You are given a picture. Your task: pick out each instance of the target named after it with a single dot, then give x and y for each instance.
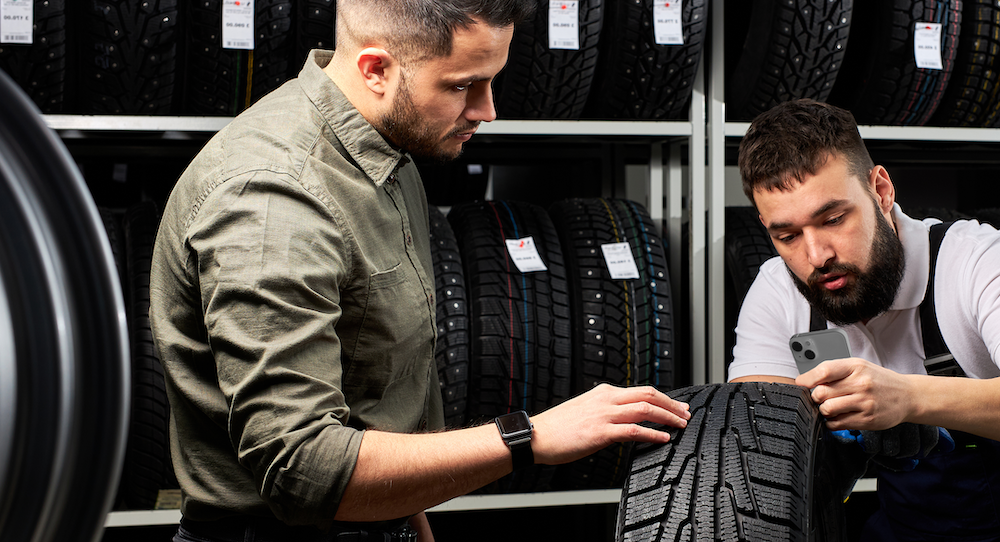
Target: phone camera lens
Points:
(797, 346)
(810, 354)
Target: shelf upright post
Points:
(697, 254)
(716, 180)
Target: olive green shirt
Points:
(292, 304)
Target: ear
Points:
(882, 188)
(377, 67)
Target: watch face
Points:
(514, 422)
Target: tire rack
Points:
(698, 190)
(667, 183)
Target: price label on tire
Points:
(525, 255)
(16, 21)
(667, 27)
(237, 24)
(927, 45)
(620, 262)
(564, 25)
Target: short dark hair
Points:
(415, 30)
(796, 138)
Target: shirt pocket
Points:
(394, 332)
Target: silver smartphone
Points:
(814, 347)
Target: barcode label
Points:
(564, 24)
(237, 24)
(16, 21)
(668, 28)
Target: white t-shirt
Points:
(967, 301)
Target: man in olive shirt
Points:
(292, 293)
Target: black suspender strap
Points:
(816, 320)
(937, 358)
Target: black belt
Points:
(262, 529)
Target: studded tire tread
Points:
(746, 468)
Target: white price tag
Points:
(667, 27)
(620, 262)
(16, 21)
(927, 45)
(564, 25)
(237, 24)
(525, 255)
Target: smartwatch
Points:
(515, 429)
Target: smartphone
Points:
(814, 347)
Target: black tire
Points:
(747, 247)
(453, 333)
(63, 343)
(314, 22)
(543, 83)
(778, 51)
(520, 322)
(128, 57)
(638, 79)
(226, 81)
(748, 467)
(622, 329)
(972, 92)
(880, 82)
(40, 68)
(147, 467)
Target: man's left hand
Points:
(853, 393)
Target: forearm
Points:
(964, 404)
(398, 475)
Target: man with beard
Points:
(292, 296)
(849, 253)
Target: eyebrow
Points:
(829, 206)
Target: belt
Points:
(262, 529)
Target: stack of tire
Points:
(165, 57)
(535, 338)
(861, 56)
(618, 69)
(147, 468)
(160, 57)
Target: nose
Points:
(480, 107)
(819, 251)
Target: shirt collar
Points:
(365, 145)
(916, 252)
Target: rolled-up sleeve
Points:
(271, 258)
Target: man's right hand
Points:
(600, 417)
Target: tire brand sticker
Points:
(620, 262)
(237, 24)
(667, 27)
(16, 21)
(525, 255)
(927, 45)
(564, 25)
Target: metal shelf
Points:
(467, 503)
(903, 133)
(150, 124)
(142, 518)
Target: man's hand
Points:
(602, 416)
(856, 394)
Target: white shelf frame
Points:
(468, 503)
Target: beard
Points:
(405, 128)
(867, 293)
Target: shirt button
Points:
(391, 179)
(409, 239)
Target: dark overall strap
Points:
(937, 358)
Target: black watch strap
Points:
(516, 429)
